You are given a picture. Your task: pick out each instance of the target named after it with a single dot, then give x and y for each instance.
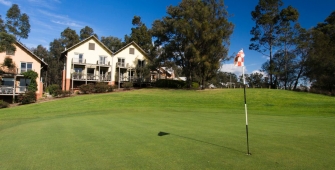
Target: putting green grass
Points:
(203, 130)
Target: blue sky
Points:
(48, 18)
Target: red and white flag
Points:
(239, 59)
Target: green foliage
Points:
(32, 75)
(140, 34)
(100, 88)
(53, 89)
(6, 42)
(195, 38)
(321, 59)
(3, 104)
(112, 43)
(87, 88)
(195, 85)
(27, 98)
(95, 88)
(69, 38)
(166, 83)
(86, 32)
(55, 64)
(127, 85)
(8, 62)
(17, 23)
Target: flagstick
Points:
(246, 113)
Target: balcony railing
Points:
(91, 77)
(79, 60)
(10, 89)
(120, 64)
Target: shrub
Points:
(110, 88)
(28, 97)
(87, 88)
(195, 85)
(101, 87)
(3, 104)
(127, 85)
(52, 89)
(32, 75)
(66, 93)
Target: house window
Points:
(140, 63)
(103, 60)
(24, 83)
(10, 52)
(26, 67)
(131, 51)
(91, 46)
(78, 58)
(121, 62)
(7, 81)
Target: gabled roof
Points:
(87, 39)
(31, 53)
(135, 45)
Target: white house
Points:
(90, 61)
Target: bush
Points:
(52, 89)
(166, 83)
(127, 85)
(65, 93)
(28, 97)
(87, 88)
(110, 88)
(3, 104)
(195, 85)
(101, 87)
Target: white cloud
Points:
(4, 2)
(70, 24)
(63, 17)
(230, 68)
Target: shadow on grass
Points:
(166, 133)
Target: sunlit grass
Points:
(119, 130)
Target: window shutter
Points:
(91, 46)
(131, 51)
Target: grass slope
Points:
(287, 130)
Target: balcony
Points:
(91, 77)
(79, 61)
(9, 90)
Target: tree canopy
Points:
(196, 35)
(17, 23)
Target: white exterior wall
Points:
(130, 59)
(91, 56)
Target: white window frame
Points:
(121, 63)
(103, 60)
(26, 67)
(78, 57)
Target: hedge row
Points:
(95, 88)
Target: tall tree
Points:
(112, 43)
(43, 53)
(303, 45)
(87, 32)
(321, 59)
(196, 35)
(140, 34)
(17, 23)
(287, 33)
(69, 37)
(6, 40)
(55, 63)
(267, 17)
